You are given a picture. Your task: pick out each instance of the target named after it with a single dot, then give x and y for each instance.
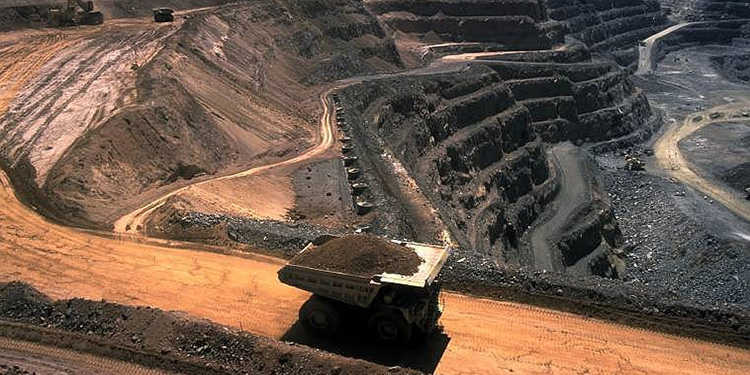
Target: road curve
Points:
(670, 158)
(133, 221)
(646, 60)
(573, 193)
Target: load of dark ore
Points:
(361, 255)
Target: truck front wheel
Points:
(320, 316)
(390, 328)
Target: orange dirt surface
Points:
(22, 54)
(131, 222)
(486, 336)
(265, 196)
(44, 360)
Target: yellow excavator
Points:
(76, 12)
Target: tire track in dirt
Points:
(89, 81)
(45, 360)
(23, 59)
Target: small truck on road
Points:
(392, 306)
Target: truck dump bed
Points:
(357, 289)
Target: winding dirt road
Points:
(670, 158)
(133, 221)
(573, 193)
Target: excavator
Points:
(70, 15)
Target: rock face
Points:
(706, 10)
(610, 27)
(507, 24)
(475, 142)
(588, 101)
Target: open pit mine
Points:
(374, 187)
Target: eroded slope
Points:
(233, 87)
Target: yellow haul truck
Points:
(393, 306)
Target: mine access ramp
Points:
(388, 287)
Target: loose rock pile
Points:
(362, 255)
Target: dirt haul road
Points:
(133, 221)
(485, 336)
(670, 158)
(43, 360)
(573, 193)
(646, 57)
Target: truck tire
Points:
(320, 316)
(389, 328)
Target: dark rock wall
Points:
(476, 144)
(469, 145)
(508, 24)
(593, 101)
(707, 10)
(612, 27)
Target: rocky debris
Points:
(283, 239)
(178, 342)
(634, 163)
(13, 370)
(363, 255)
(625, 303)
(737, 177)
(672, 252)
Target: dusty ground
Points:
(707, 258)
(28, 358)
(719, 151)
(158, 339)
(265, 196)
(83, 85)
(172, 104)
(65, 262)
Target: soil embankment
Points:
(127, 151)
(244, 292)
(152, 338)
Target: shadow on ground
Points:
(423, 354)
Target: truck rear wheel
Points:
(389, 328)
(320, 316)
